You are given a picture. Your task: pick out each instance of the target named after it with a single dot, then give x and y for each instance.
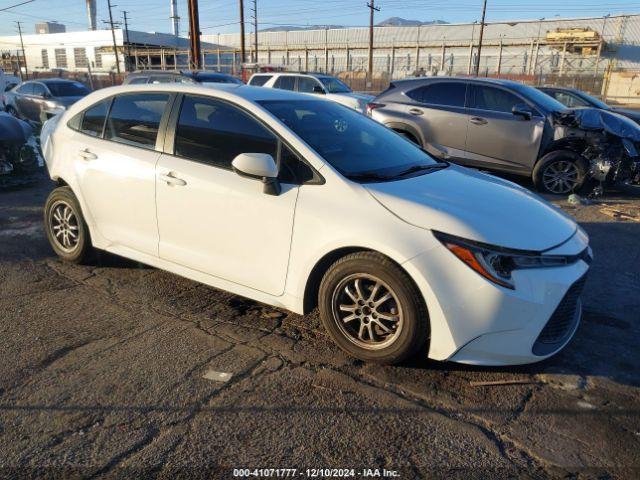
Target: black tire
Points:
(543, 171)
(411, 329)
(78, 249)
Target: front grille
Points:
(562, 322)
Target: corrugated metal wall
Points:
(396, 48)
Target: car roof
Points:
(291, 74)
(228, 91)
(488, 81)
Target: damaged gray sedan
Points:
(506, 126)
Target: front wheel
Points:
(560, 172)
(65, 226)
(372, 309)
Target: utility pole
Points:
(24, 56)
(113, 35)
(372, 8)
(484, 11)
(242, 52)
(194, 35)
(255, 30)
(127, 59)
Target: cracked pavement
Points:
(101, 376)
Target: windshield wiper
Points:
(367, 176)
(422, 168)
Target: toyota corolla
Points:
(301, 203)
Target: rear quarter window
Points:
(450, 94)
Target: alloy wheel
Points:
(64, 226)
(560, 177)
(367, 311)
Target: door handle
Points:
(415, 111)
(478, 121)
(87, 154)
(171, 179)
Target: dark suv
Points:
(484, 123)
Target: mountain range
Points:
(389, 22)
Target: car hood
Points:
(351, 98)
(476, 206)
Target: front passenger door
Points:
(498, 139)
(211, 219)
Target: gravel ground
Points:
(113, 370)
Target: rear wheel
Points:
(560, 172)
(65, 226)
(372, 309)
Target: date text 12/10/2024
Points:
(316, 473)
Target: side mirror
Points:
(318, 89)
(258, 166)
(522, 110)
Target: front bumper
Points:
(476, 322)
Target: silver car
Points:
(485, 123)
(39, 100)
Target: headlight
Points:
(496, 263)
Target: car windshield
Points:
(540, 98)
(67, 89)
(333, 85)
(358, 147)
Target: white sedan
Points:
(298, 202)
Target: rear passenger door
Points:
(498, 139)
(438, 110)
(285, 82)
(116, 162)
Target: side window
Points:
(93, 119)
(292, 169)
(135, 118)
(570, 100)
(139, 80)
(442, 93)
(163, 79)
(38, 90)
(286, 82)
(306, 84)
(494, 99)
(259, 80)
(26, 89)
(214, 132)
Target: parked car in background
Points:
(39, 100)
(202, 77)
(399, 251)
(574, 98)
(7, 82)
(313, 83)
(490, 124)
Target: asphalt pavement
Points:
(118, 370)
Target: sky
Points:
(221, 16)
